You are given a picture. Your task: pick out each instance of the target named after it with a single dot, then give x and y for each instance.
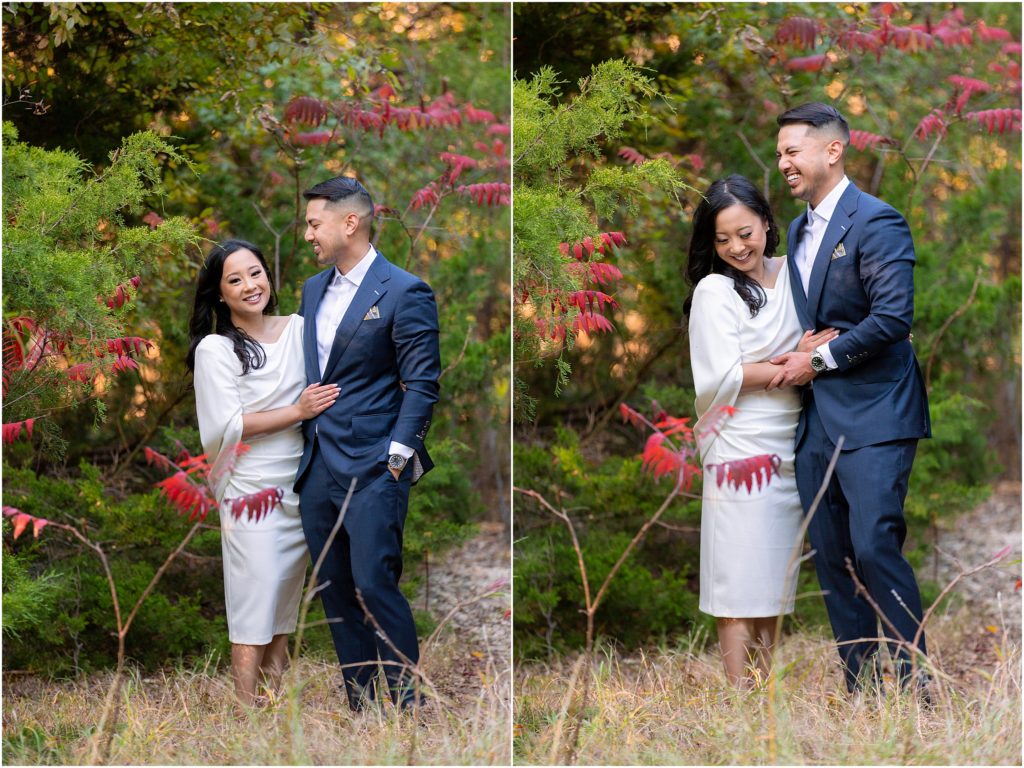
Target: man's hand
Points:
(796, 370)
(395, 472)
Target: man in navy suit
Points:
(851, 266)
(371, 328)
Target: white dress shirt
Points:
(333, 306)
(807, 249)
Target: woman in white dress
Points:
(250, 385)
(741, 314)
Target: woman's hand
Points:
(317, 398)
(811, 341)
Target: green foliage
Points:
(654, 592)
(183, 616)
(67, 247)
(565, 189)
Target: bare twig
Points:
(765, 170)
(462, 354)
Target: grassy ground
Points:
(672, 707)
(184, 717)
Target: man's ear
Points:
(351, 223)
(835, 151)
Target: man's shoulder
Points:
(873, 206)
(401, 277)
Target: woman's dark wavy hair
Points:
(704, 260)
(211, 315)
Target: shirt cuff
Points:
(830, 362)
(402, 450)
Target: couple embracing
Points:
(338, 395)
(812, 349)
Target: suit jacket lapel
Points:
(370, 292)
(837, 228)
(796, 284)
(315, 294)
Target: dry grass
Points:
(184, 717)
(673, 707)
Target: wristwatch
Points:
(818, 362)
(397, 461)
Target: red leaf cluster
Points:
(124, 363)
(125, 345)
(746, 471)
(499, 129)
(798, 30)
(121, 294)
(305, 110)
(630, 155)
(807, 63)
(456, 165)
(428, 195)
(491, 193)
(311, 138)
(20, 521)
(997, 120)
(602, 273)
(474, 115)
(932, 123)
(993, 34)
(715, 419)
(586, 247)
(863, 140)
(258, 504)
(585, 300)
(153, 219)
(187, 497)
(590, 322)
(12, 431)
(854, 39)
(81, 372)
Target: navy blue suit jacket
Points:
(862, 284)
(374, 352)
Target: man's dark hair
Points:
(817, 115)
(340, 188)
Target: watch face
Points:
(818, 363)
(396, 461)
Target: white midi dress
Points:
(265, 560)
(747, 538)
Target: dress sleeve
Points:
(715, 354)
(218, 409)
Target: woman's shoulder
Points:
(714, 285)
(215, 349)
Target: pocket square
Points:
(373, 314)
(839, 252)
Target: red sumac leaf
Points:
(474, 115)
(997, 120)
(12, 432)
(631, 416)
(186, 497)
(631, 155)
(590, 322)
(428, 195)
(1012, 49)
(491, 193)
(863, 140)
(993, 34)
(126, 345)
(853, 39)
(603, 273)
(799, 30)
(305, 109)
(714, 420)
(746, 471)
(311, 138)
(807, 63)
(258, 504)
(152, 219)
(499, 129)
(20, 521)
(932, 123)
(124, 363)
(81, 372)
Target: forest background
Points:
(234, 109)
(656, 100)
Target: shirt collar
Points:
(358, 272)
(827, 206)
